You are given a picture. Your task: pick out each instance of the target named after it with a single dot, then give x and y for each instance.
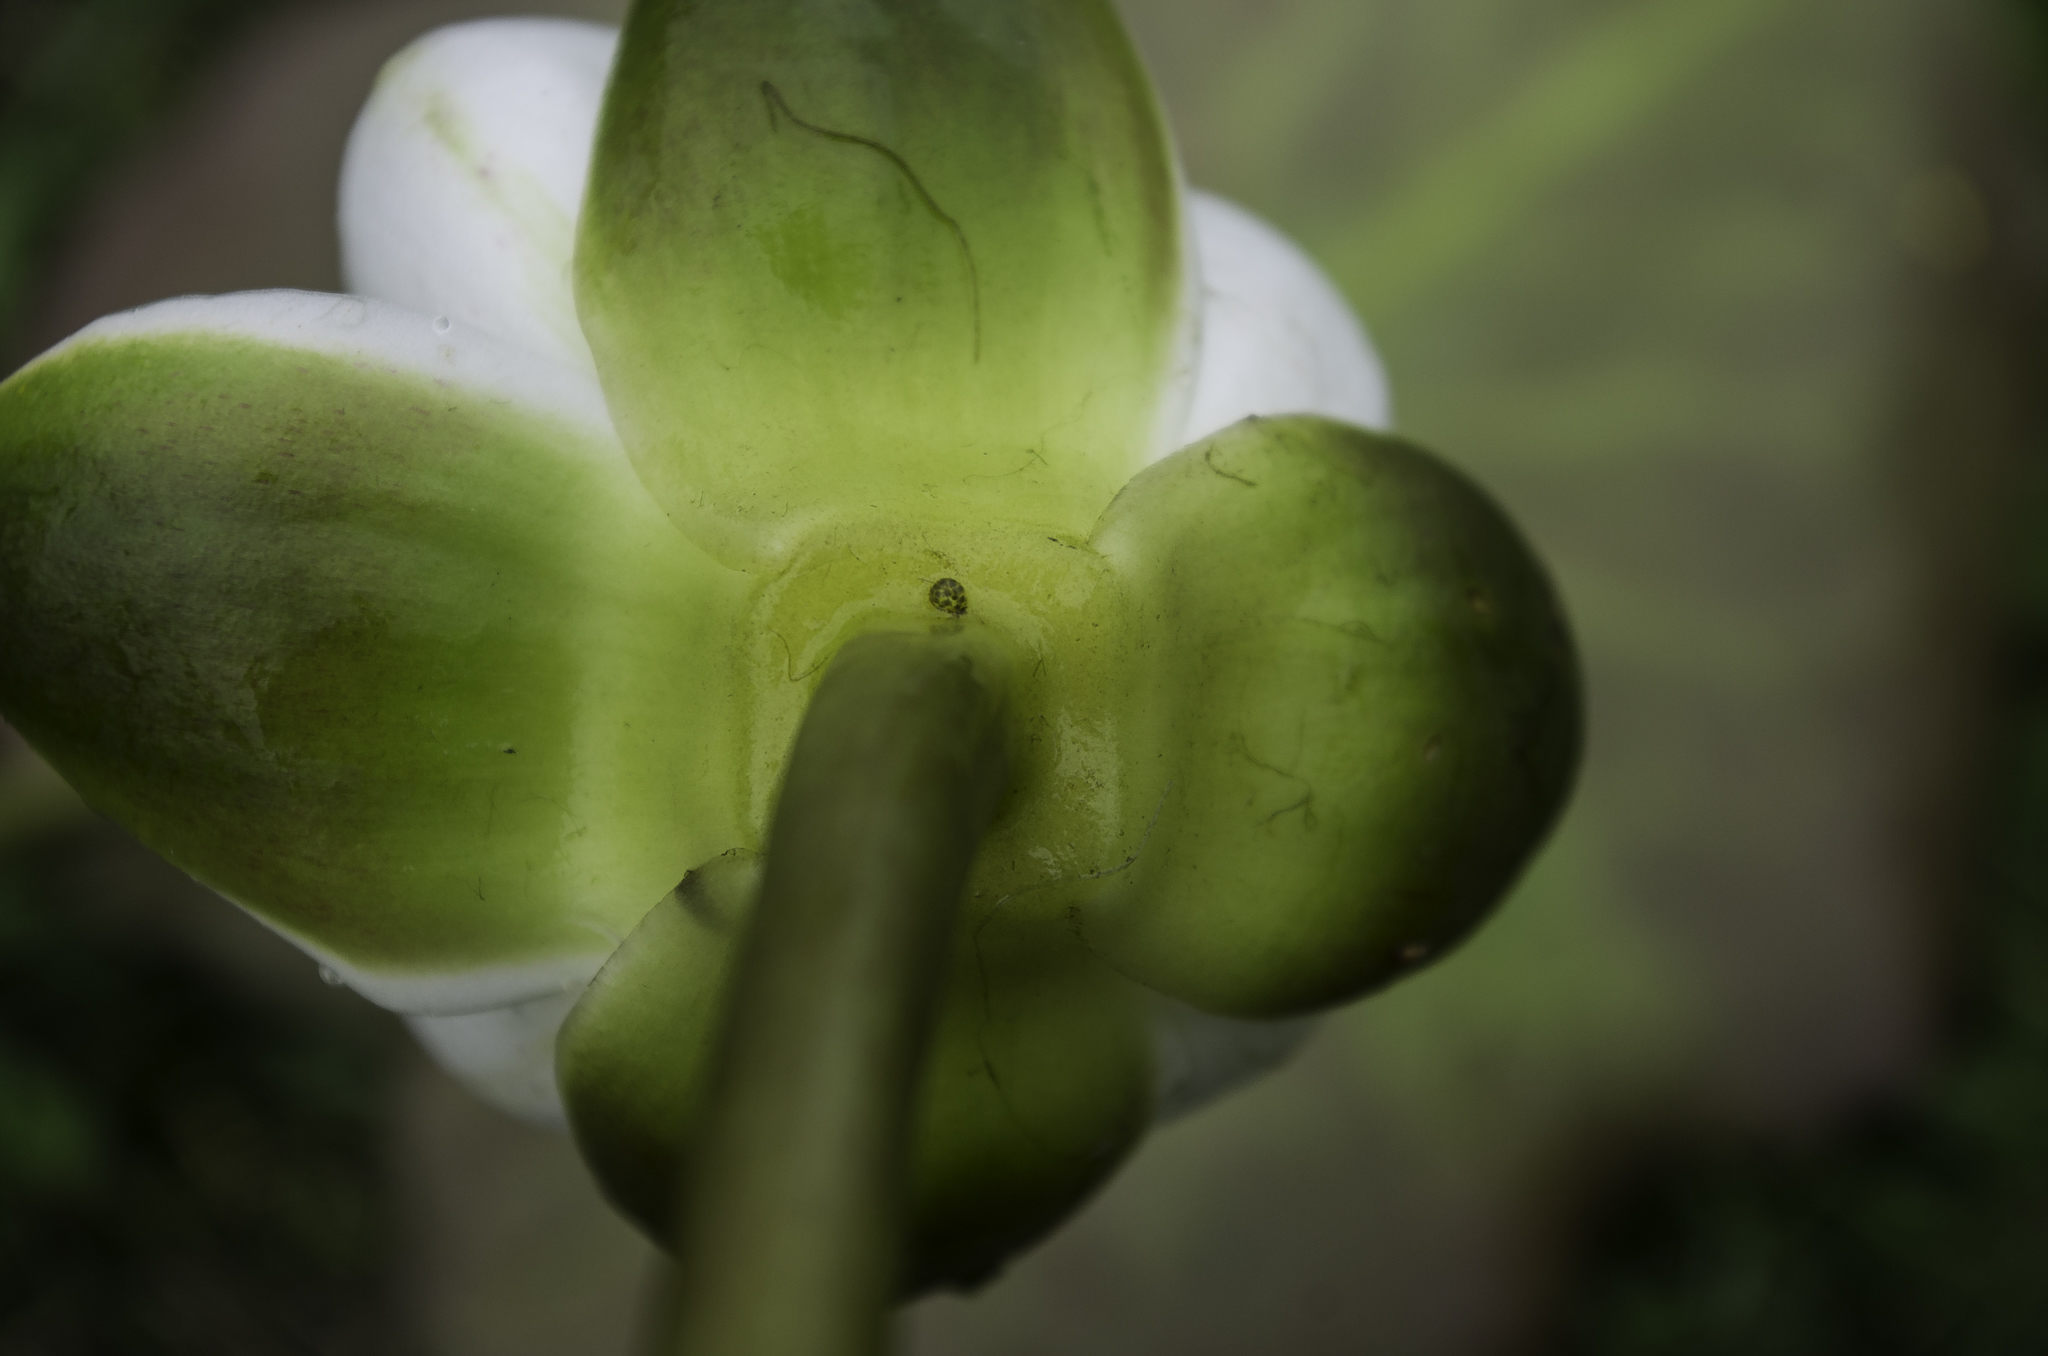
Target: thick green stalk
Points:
(792, 1218)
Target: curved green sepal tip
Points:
(1037, 1081)
(924, 255)
(412, 672)
(1362, 714)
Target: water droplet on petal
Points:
(442, 324)
(329, 975)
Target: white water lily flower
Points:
(459, 627)
(458, 200)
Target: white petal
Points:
(505, 1056)
(1277, 335)
(1199, 1056)
(464, 177)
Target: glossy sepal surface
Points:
(1038, 1080)
(1361, 714)
(916, 256)
(366, 623)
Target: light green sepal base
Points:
(417, 674)
(1281, 730)
(1037, 1081)
(916, 256)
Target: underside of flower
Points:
(460, 628)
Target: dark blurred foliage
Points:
(79, 79)
(183, 1167)
(1925, 1230)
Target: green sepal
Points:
(409, 667)
(1037, 1081)
(1357, 704)
(918, 255)
(632, 1057)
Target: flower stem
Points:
(792, 1216)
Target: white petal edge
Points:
(1198, 1056)
(505, 1056)
(1277, 336)
(465, 172)
(384, 337)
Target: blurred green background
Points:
(1736, 303)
